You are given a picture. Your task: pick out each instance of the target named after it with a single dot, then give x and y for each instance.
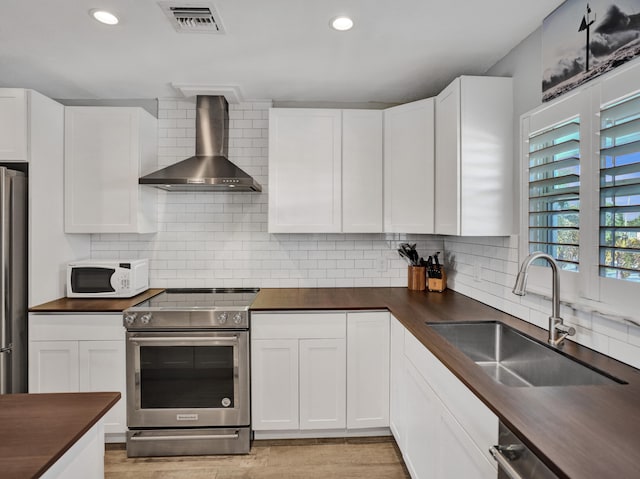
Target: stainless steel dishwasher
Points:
(515, 460)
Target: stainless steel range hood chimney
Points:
(209, 170)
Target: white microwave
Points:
(107, 278)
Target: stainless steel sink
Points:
(514, 359)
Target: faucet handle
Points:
(558, 332)
(567, 330)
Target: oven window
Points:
(186, 377)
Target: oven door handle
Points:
(185, 438)
(166, 339)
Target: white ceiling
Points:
(398, 51)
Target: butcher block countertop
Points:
(578, 431)
(37, 429)
(94, 305)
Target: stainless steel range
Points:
(188, 373)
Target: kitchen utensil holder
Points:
(438, 284)
(417, 278)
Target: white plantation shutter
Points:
(620, 191)
(554, 193)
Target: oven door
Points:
(187, 379)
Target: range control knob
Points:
(145, 318)
(222, 318)
(129, 318)
(237, 318)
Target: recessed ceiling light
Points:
(105, 17)
(342, 24)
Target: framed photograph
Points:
(584, 39)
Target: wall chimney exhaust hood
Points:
(209, 169)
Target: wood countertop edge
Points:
(94, 305)
(414, 309)
(115, 398)
(44, 460)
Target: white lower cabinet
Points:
(441, 427)
(84, 459)
(322, 384)
(319, 373)
(420, 442)
(80, 353)
(397, 411)
(367, 369)
(274, 384)
(54, 367)
(458, 455)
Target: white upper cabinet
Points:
(106, 150)
(325, 171)
(409, 167)
(304, 170)
(14, 128)
(474, 157)
(361, 171)
(32, 131)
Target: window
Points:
(581, 193)
(554, 193)
(620, 191)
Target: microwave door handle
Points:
(165, 339)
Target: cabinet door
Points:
(457, 455)
(486, 156)
(409, 167)
(304, 170)
(421, 448)
(397, 409)
(367, 370)
(447, 174)
(102, 368)
(361, 171)
(322, 384)
(274, 384)
(103, 151)
(13, 125)
(474, 157)
(53, 367)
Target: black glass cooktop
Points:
(200, 298)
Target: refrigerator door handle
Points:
(5, 228)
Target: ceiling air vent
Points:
(194, 17)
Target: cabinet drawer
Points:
(477, 419)
(294, 325)
(76, 327)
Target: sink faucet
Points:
(558, 331)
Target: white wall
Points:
(485, 268)
(220, 239)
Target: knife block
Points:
(438, 284)
(417, 276)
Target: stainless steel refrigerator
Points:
(13, 281)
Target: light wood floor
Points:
(370, 458)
